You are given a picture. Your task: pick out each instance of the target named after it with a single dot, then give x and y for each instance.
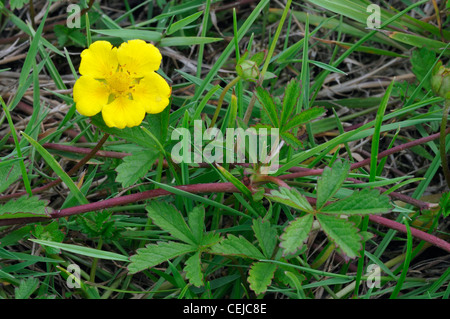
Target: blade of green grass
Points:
(85, 251)
(57, 169)
(26, 181)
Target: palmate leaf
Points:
(366, 201)
(296, 233)
(330, 182)
(260, 276)
(155, 254)
(343, 233)
(135, 166)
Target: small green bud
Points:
(248, 70)
(440, 81)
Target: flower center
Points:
(120, 82)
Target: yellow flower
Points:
(121, 83)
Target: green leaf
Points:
(366, 201)
(183, 22)
(193, 269)
(134, 134)
(236, 246)
(260, 276)
(9, 173)
(330, 182)
(327, 67)
(25, 207)
(49, 232)
(291, 197)
(422, 60)
(303, 118)
(64, 34)
(236, 182)
(196, 220)
(343, 233)
(268, 104)
(130, 34)
(291, 140)
(188, 41)
(266, 235)
(296, 233)
(85, 251)
(153, 255)
(57, 169)
(291, 95)
(419, 41)
(135, 166)
(17, 4)
(168, 218)
(26, 288)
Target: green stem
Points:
(442, 142)
(95, 262)
(221, 98)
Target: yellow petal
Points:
(99, 61)
(89, 95)
(123, 112)
(139, 57)
(152, 93)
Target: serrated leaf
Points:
(196, 220)
(366, 201)
(135, 166)
(49, 232)
(303, 118)
(343, 233)
(330, 182)
(266, 235)
(296, 233)
(291, 96)
(237, 246)
(155, 254)
(193, 268)
(268, 105)
(25, 207)
(210, 239)
(168, 218)
(291, 140)
(290, 197)
(260, 276)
